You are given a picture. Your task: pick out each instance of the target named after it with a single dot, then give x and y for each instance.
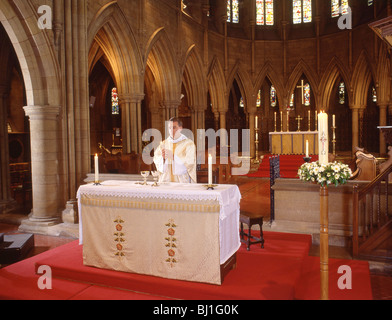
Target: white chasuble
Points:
(182, 168)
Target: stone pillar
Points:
(136, 122)
(125, 105)
(5, 184)
(252, 123)
(383, 123)
(355, 128)
(45, 171)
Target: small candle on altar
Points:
(307, 148)
(275, 116)
(323, 138)
(96, 165)
(333, 121)
(257, 122)
(210, 170)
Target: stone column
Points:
(252, 122)
(125, 105)
(45, 171)
(355, 128)
(136, 122)
(5, 190)
(383, 123)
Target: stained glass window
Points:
(370, 3)
(242, 105)
(374, 94)
(307, 10)
(307, 94)
(258, 102)
(337, 5)
(342, 93)
(302, 11)
(233, 11)
(291, 106)
(297, 11)
(273, 97)
(260, 13)
(115, 105)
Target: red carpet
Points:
(289, 165)
(281, 271)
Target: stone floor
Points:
(255, 196)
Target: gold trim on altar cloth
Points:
(151, 205)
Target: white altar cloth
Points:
(211, 216)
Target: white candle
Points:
(333, 121)
(323, 138)
(209, 170)
(257, 122)
(96, 169)
(307, 148)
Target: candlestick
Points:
(323, 138)
(96, 166)
(307, 148)
(275, 121)
(281, 121)
(288, 121)
(316, 119)
(309, 119)
(209, 170)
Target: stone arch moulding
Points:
(243, 83)
(160, 50)
(217, 87)
(335, 70)
(31, 46)
(303, 68)
(361, 80)
(194, 79)
(267, 73)
(107, 27)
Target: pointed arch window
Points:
(265, 12)
(307, 95)
(242, 104)
(374, 94)
(342, 93)
(302, 11)
(337, 5)
(273, 98)
(233, 11)
(258, 102)
(115, 105)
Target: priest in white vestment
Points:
(175, 158)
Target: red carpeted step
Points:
(289, 165)
(308, 286)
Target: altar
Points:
(175, 231)
(289, 143)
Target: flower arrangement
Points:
(334, 173)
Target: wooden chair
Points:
(251, 219)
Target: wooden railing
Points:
(370, 209)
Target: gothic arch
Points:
(335, 70)
(361, 80)
(217, 87)
(35, 54)
(194, 80)
(111, 31)
(303, 68)
(383, 81)
(161, 58)
(267, 72)
(243, 83)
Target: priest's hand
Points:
(167, 154)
